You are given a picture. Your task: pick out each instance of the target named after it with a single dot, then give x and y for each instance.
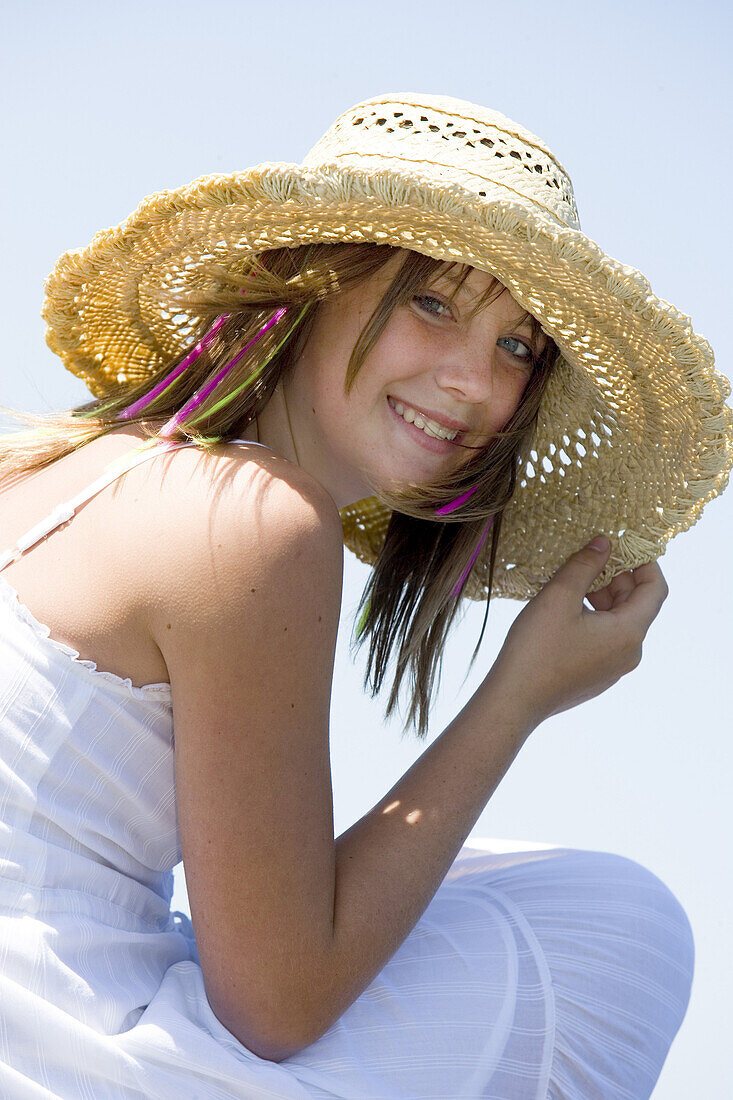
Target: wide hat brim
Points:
(633, 436)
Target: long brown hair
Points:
(408, 605)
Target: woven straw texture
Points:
(633, 437)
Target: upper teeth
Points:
(421, 421)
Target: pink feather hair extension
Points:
(451, 506)
(200, 396)
(472, 560)
(138, 406)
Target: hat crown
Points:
(451, 143)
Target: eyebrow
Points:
(524, 317)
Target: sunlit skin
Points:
(467, 371)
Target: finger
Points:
(643, 604)
(580, 570)
(601, 600)
(612, 594)
(621, 587)
(650, 571)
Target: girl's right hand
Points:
(558, 652)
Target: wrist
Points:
(510, 699)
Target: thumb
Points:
(580, 570)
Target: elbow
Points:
(273, 1044)
(293, 1043)
(274, 1052)
(276, 1048)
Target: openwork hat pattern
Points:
(634, 436)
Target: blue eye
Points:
(424, 302)
(529, 357)
(436, 307)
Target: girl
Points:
(406, 344)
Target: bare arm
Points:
(557, 655)
(246, 619)
(390, 863)
(292, 925)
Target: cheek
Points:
(326, 384)
(371, 382)
(507, 399)
(403, 351)
(518, 386)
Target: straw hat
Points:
(633, 436)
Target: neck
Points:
(272, 427)
(281, 428)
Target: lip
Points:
(439, 418)
(427, 442)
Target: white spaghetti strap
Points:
(115, 469)
(63, 512)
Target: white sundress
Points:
(550, 972)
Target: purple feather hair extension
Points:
(453, 504)
(138, 406)
(200, 396)
(464, 575)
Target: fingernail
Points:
(600, 543)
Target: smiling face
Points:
(440, 379)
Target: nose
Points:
(466, 372)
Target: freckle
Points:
(285, 629)
(319, 618)
(292, 706)
(168, 626)
(253, 589)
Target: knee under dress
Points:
(553, 972)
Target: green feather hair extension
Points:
(255, 375)
(361, 624)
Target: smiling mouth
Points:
(420, 420)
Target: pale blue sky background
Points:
(106, 103)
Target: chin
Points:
(403, 482)
(404, 472)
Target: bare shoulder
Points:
(231, 523)
(248, 629)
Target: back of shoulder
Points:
(247, 628)
(233, 524)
